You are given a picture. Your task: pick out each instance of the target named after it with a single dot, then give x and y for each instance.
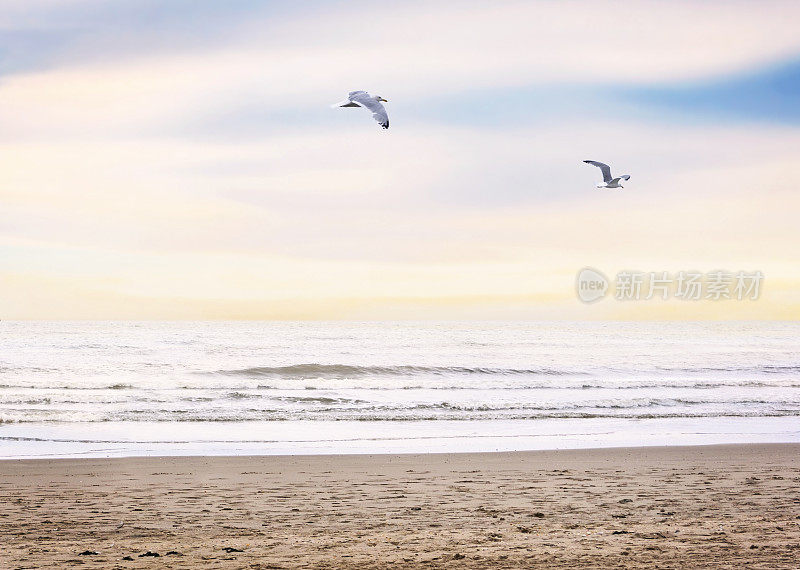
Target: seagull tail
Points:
(345, 103)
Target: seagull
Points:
(608, 181)
(364, 99)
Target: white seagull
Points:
(608, 180)
(364, 99)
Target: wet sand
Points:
(665, 507)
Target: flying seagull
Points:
(364, 99)
(608, 180)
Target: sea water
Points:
(183, 388)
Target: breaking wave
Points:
(311, 371)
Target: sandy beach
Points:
(670, 507)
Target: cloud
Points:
(448, 196)
(168, 70)
(518, 43)
(45, 34)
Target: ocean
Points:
(76, 389)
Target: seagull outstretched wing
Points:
(363, 99)
(349, 101)
(606, 169)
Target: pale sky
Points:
(180, 160)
